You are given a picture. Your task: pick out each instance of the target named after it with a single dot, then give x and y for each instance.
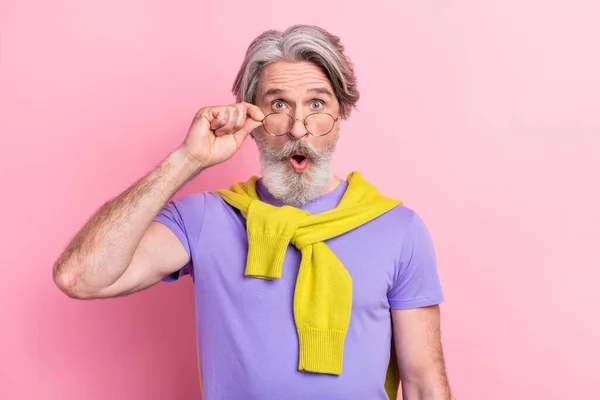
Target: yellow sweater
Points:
(323, 294)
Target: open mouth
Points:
(298, 158)
(299, 162)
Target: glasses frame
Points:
(293, 121)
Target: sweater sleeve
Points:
(417, 282)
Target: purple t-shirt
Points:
(247, 339)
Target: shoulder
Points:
(404, 230)
(214, 203)
(402, 215)
(183, 213)
(197, 204)
(190, 200)
(210, 205)
(412, 229)
(186, 206)
(191, 213)
(402, 220)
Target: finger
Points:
(219, 121)
(229, 126)
(241, 117)
(249, 126)
(254, 112)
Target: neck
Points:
(335, 181)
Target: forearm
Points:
(433, 388)
(101, 251)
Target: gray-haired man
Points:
(307, 285)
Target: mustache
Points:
(289, 148)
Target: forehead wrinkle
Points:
(279, 91)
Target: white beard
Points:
(291, 187)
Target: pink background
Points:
(481, 115)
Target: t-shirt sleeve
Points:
(184, 218)
(417, 282)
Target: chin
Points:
(296, 188)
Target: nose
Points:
(298, 130)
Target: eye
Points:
(317, 104)
(278, 105)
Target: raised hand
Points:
(218, 132)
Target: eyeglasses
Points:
(317, 124)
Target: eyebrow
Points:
(322, 90)
(273, 92)
(276, 91)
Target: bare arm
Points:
(419, 352)
(121, 250)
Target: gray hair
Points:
(299, 43)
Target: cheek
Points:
(268, 140)
(325, 141)
(276, 142)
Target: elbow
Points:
(64, 280)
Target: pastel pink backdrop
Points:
(482, 116)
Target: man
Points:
(307, 285)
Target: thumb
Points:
(249, 126)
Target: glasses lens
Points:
(319, 124)
(278, 124)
